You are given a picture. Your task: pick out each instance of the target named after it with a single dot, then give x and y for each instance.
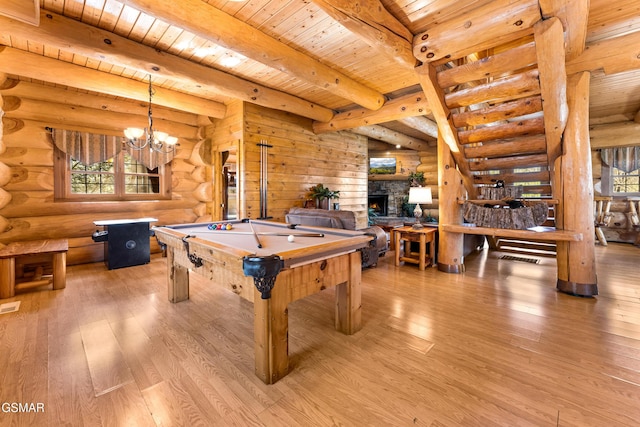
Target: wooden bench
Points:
(25, 265)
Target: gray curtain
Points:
(87, 147)
(627, 159)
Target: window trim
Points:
(62, 182)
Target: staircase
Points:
(507, 110)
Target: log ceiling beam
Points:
(38, 67)
(373, 23)
(614, 55)
(421, 124)
(411, 105)
(68, 34)
(208, 22)
(623, 134)
(487, 26)
(391, 137)
(549, 38)
(428, 80)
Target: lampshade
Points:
(420, 195)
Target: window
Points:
(118, 178)
(623, 182)
(620, 172)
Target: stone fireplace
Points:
(393, 192)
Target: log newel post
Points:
(450, 189)
(576, 259)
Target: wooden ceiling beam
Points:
(411, 105)
(208, 22)
(623, 134)
(373, 23)
(614, 55)
(31, 65)
(421, 124)
(490, 25)
(391, 137)
(70, 35)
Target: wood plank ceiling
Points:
(300, 56)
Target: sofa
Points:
(345, 220)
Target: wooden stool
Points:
(23, 265)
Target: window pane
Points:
(96, 178)
(138, 179)
(625, 182)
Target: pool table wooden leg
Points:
(271, 331)
(348, 298)
(177, 279)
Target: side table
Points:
(422, 236)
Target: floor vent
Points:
(517, 258)
(9, 307)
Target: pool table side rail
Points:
(166, 235)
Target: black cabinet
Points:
(126, 242)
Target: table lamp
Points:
(419, 195)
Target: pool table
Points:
(256, 260)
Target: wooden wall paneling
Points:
(336, 159)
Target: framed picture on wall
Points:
(382, 165)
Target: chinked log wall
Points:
(27, 207)
(299, 159)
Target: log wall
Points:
(28, 210)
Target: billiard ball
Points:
(291, 238)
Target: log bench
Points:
(31, 264)
(538, 233)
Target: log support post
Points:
(576, 259)
(450, 190)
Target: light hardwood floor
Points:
(494, 346)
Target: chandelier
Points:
(157, 141)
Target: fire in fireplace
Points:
(379, 204)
